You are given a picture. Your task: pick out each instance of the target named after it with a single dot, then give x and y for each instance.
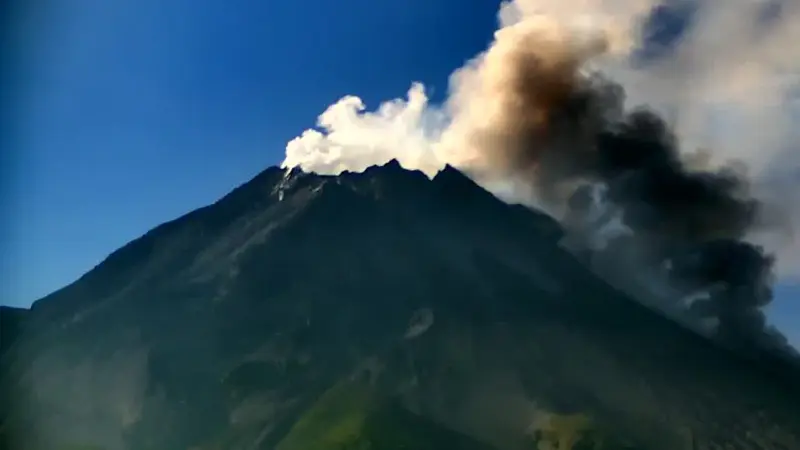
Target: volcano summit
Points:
(379, 310)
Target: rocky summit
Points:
(380, 310)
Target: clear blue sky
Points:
(123, 114)
(128, 113)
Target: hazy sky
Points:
(120, 115)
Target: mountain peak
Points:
(224, 328)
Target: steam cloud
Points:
(566, 110)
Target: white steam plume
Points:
(727, 86)
(353, 140)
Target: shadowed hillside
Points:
(379, 310)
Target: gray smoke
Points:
(565, 111)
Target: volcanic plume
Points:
(560, 114)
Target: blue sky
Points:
(124, 114)
(128, 113)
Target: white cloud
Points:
(352, 139)
(729, 86)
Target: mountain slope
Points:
(353, 415)
(12, 321)
(228, 324)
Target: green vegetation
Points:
(334, 421)
(82, 447)
(353, 416)
(572, 432)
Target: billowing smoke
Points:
(566, 111)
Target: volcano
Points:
(379, 310)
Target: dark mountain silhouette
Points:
(12, 320)
(380, 310)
